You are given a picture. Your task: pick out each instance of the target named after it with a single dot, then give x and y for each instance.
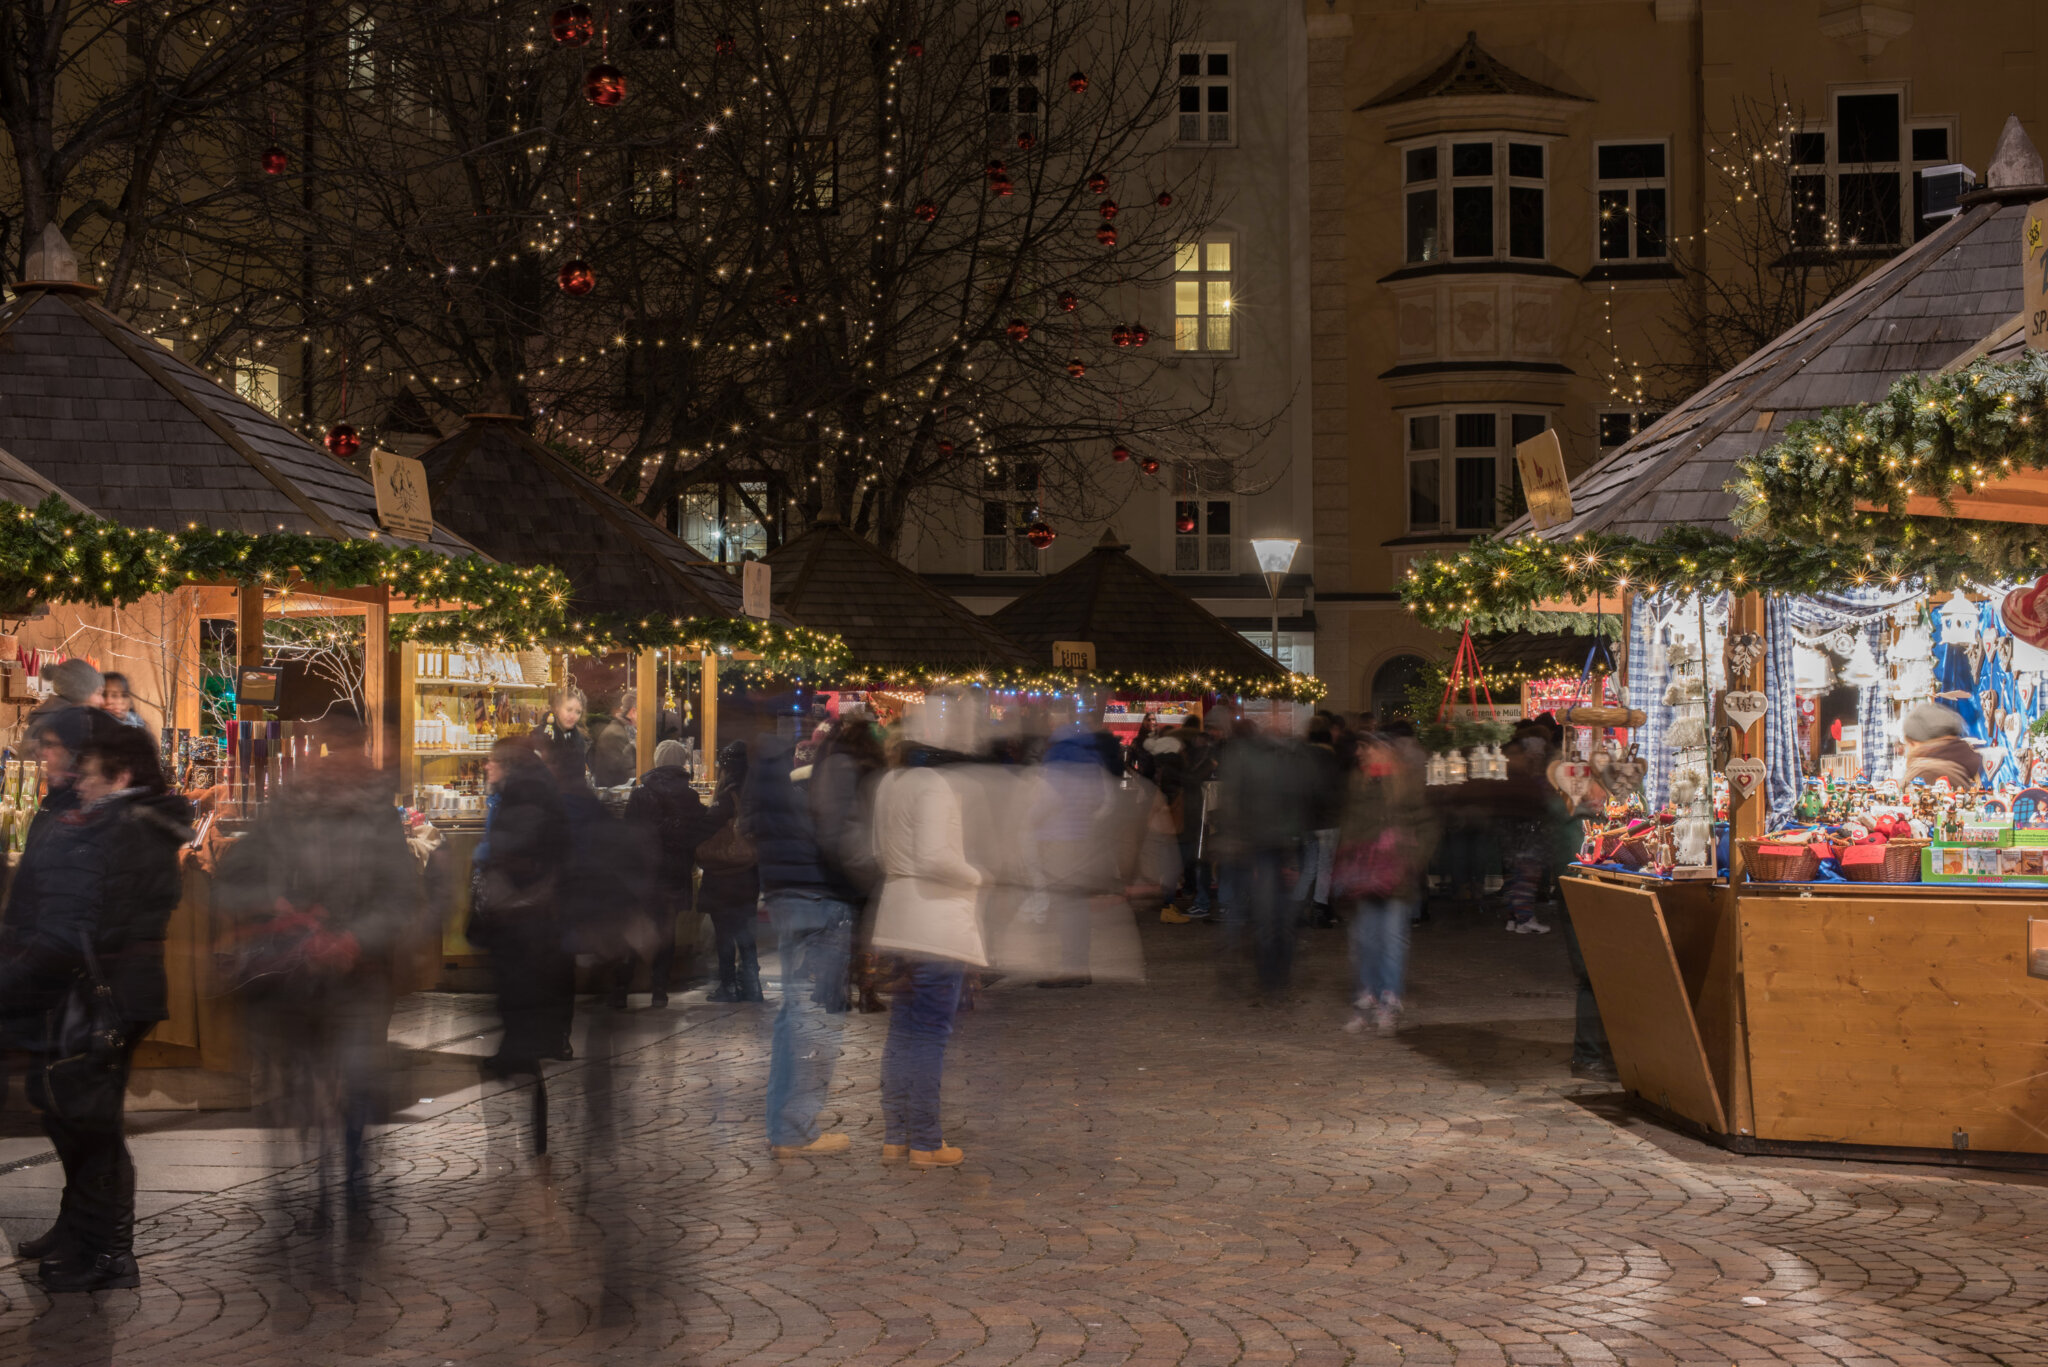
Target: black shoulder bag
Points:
(81, 1076)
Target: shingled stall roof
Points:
(832, 580)
(1137, 621)
(124, 428)
(1934, 302)
(518, 501)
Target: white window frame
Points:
(1203, 279)
(1411, 455)
(1003, 126)
(1831, 169)
(259, 384)
(1447, 453)
(1631, 186)
(1188, 488)
(1204, 117)
(1446, 184)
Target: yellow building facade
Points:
(1566, 214)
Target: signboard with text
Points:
(1073, 654)
(2034, 276)
(1540, 460)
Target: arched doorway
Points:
(1391, 683)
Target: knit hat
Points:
(74, 680)
(671, 754)
(1931, 721)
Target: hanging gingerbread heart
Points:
(2025, 612)
(1744, 650)
(1974, 653)
(1745, 776)
(1572, 778)
(1745, 707)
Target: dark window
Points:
(1027, 99)
(1191, 64)
(1614, 225)
(1422, 242)
(1219, 99)
(1217, 521)
(995, 519)
(1870, 207)
(652, 174)
(1478, 483)
(1809, 211)
(1646, 421)
(1472, 220)
(999, 67)
(1525, 160)
(1868, 128)
(1930, 144)
(999, 99)
(1425, 494)
(1191, 99)
(1525, 221)
(1424, 433)
(1421, 164)
(1650, 238)
(1616, 428)
(651, 23)
(1810, 149)
(1471, 158)
(1474, 430)
(1027, 477)
(1219, 64)
(1523, 426)
(1632, 161)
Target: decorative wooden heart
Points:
(2005, 648)
(1573, 778)
(1745, 708)
(1974, 653)
(1744, 649)
(1744, 776)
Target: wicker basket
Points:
(533, 666)
(1779, 868)
(1901, 864)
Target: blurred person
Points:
(86, 918)
(1197, 778)
(929, 913)
(730, 893)
(73, 684)
(1070, 827)
(813, 904)
(1385, 844)
(117, 700)
(325, 897)
(516, 914)
(614, 743)
(1327, 778)
(843, 783)
(1527, 834)
(561, 739)
(1264, 803)
(675, 820)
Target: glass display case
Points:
(456, 705)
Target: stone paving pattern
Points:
(1156, 1174)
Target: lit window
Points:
(1202, 297)
(362, 61)
(1206, 73)
(1482, 194)
(258, 384)
(1632, 193)
(726, 522)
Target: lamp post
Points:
(1275, 555)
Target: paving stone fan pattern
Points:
(1156, 1174)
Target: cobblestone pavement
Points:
(1156, 1174)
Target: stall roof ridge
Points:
(1919, 311)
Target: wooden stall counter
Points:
(1895, 1020)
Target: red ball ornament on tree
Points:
(1012, 19)
(275, 161)
(1018, 330)
(1068, 303)
(1076, 367)
(995, 170)
(926, 211)
(1107, 208)
(1120, 335)
(1138, 334)
(1149, 464)
(789, 297)
(1003, 188)
(1040, 535)
(1184, 520)
(1098, 183)
(1119, 453)
(1106, 235)
(945, 447)
(576, 278)
(914, 48)
(572, 25)
(1077, 82)
(1165, 200)
(342, 440)
(725, 45)
(604, 85)
(1026, 141)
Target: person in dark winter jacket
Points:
(516, 916)
(1327, 783)
(1264, 814)
(730, 892)
(813, 904)
(674, 820)
(614, 743)
(562, 740)
(92, 897)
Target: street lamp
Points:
(1275, 554)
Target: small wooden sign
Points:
(1073, 654)
(2034, 276)
(257, 684)
(1544, 482)
(402, 505)
(754, 588)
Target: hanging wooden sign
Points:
(2034, 276)
(403, 508)
(1540, 461)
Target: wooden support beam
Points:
(1746, 816)
(380, 683)
(707, 709)
(646, 709)
(248, 643)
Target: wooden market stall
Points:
(1883, 1019)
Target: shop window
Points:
(814, 172)
(651, 24)
(1207, 84)
(1632, 193)
(1484, 194)
(259, 385)
(727, 521)
(1013, 97)
(1856, 180)
(1202, 273)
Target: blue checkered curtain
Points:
(1873, 712)
(1648, 678)
(1781, 719)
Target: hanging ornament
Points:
(1106, 235)
(1120, 335)
(1076, 367)
(1107, 208)
(1068, 303)
(1003, 188)
(1040, 535)
(1077, 82)
(1098, 184)
(604, 85)
(275, 161)
(1862, 669)
(789, 297)
(1012, 19)
(1119, 453)
(1184, 519)
(1139, 336)
(1149, 464)
(914, 48)
(342, 440)
(576, 278)
(945, 446)
(1026, 141)
(1018, 329)
(1165, 199)
(725, 45)
(572, 25)
(926, 211)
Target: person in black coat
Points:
(673, 820)
(516, 917)
(562, 740)
(92, 897)
(730, 893)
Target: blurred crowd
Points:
(902, 868)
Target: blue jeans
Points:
(920, 1022)
(1257, 907)
(816, 938)
(1379, 947)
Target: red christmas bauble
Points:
(1098, 183)
(1184, 521)
(1012, 19)
(1068, 303)
(275, 161)
(1138, 334)
(604, 85)
(926, 211)
(1077, 82)
(914, 48)
(1120, 335)
(1165, 199)
(996, 170)
(572, 25)
(725, 45)
(342, 440)
(1076, 368)
(1018, 329)
(1025, 142)
(1107, 208)
(1004, 189)
(1040, 535)
(789, 297)
(576, 278)
(945, 447)
(1106, 235)
(1119, 453)
(1149, 464)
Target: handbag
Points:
(725, 850)
(1374, 869)
(81, 1076)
